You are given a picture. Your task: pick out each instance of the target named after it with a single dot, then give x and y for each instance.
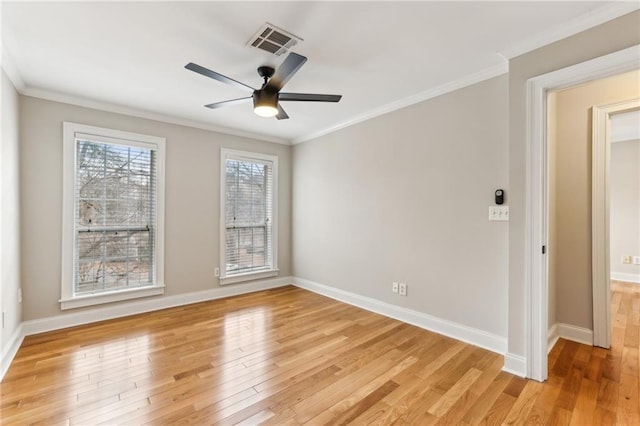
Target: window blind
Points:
(248, 215)
(115, 216)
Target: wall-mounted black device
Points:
(499, 196)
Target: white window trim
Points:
(248, 276)
(68, 300)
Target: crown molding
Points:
(451, 86)
(134, 112)
(9, 67)
(572, 27)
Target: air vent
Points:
(273, 39)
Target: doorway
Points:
(536, 259)
(578, 167)
(602, 140)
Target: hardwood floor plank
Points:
(486, 399)
(523, 405)
(628, 409)
(569, 391)
(542, 409)
(499, 410)
(453, 394)
(585, 403)
(288, 356)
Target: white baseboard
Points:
(515, 364)
(27, 328)
(552, 337)
(576, 334)
(9, 351)
(621, 276)
(147, 305)
(464, 333)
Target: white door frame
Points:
(601, 137)
(536, 279)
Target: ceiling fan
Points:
(266, 100)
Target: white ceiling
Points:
(129, 57)
(625, 126)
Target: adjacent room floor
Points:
(288, 356)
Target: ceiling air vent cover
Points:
(273, 39)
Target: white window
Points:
(113, 216)
(248, 225)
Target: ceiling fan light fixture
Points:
(265, 103)
(265, 111)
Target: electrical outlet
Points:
(636, 260)
(394, 287)
(217, 272)
(626, 260)
(20, 295)
(402, 289)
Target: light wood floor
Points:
(288, 356)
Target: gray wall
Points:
(609, 37)
(191, 203)
(624, 198)
(573, 186)
(9, 212)
(404, 197)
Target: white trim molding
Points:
(483, 339)
(270, 161)
(576, 334)
(71, 134)
(54, 96)
(629, 278)
(600, 209)
(536, 285)
(566, 29)
(515, 364)
(552, 337)
(147, 305)
(468, 80)
(9, 66)
(73, 319)
(11, 349)
(110, 297)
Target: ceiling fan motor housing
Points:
(265, 98)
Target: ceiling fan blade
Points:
(282, 115)
(228, 103)
(217, 76)
(289, 67)
(308, 97)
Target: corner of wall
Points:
(10, 242)
(10, 350)
(473, 336)
(515, 364)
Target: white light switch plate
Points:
(499, 213)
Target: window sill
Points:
(116, 296)
(238, 278)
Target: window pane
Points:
(246, 249)
(115, 217)
(245, 193)
(247, 210)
